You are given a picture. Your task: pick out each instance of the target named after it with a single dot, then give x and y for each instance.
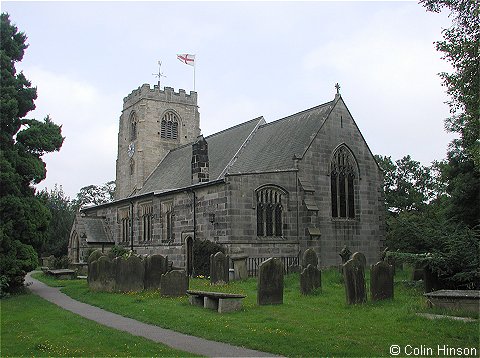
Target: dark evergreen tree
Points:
(23, 217)
(58, 230)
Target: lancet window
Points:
(124, 218)
(147, 213)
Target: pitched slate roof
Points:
(274, 144)
(93, 229)
(174, 171)
(253, 146)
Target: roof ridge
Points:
(296, 114)
(235, 126)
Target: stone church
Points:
(260, 189)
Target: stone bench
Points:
(62, 274)
(221, 302)
(455, 299)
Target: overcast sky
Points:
(268, 59)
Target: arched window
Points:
(147, 212)
(169, 126)
(269, 211)
(342, 176)
(133, 126)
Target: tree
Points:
(408, 185)
(23, 217)
(62, 215)
(94, 195)
(460, 48)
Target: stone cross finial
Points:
(337, 86)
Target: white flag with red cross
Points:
(187, 59)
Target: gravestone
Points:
(418, 272)
(174, 283)
(381, 281)
(310, 279)
(240, 267)
(129, 274)
(95, 255)
(354, 281)
(310, 258)
(345, 254)
(360, 258)
(101, 275)
(431, 281)
(155, 267)
(218, 268)
(270, 282)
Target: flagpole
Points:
(194, 65)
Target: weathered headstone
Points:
(310, 258)
(174, 283)
(218, 268)
(155, 267)
(129, 274)
(354, 281)
(418, 272)
(240, 267)
(360, 258)
(381, 281)
(345, 254)
(431, 280)
(310, 279)
(94, 256)
(101, 275)
(270, 282)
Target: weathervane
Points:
(159, 74)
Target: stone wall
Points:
(366, 232)
(149, 106)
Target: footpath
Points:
(157, 334)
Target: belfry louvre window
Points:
(169, 126)
(342, 176)
(269, 211)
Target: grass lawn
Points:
(32, 326)
(318, 325)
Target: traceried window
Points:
(133, 126)
(169, 126)
(343, 176)
(270, 201)
(147, 212)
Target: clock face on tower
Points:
(131, 149)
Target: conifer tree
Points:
(23, 217)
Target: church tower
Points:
(153, 121)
